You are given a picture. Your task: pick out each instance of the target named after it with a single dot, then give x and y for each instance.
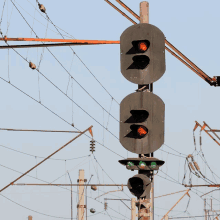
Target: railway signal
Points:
(142, 53)
(139, 185)
(142, 50)
(142, 122)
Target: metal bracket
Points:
(81, 206)
(85, 180)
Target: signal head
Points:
(142, 49)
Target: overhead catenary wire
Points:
(70, 36)
(62, 64)
(85, 65)
(2, 14)
(12, 129)
(62, 147)
(177, 182)
(58, 186)
(172, 153)
(68, 96)
(107, 174)
(56, 27)
(203, 156)
(179, 55)
(56, 114)
(174, 150)
(24, 18)
(56, 86)
(41, 156)
(41, 212)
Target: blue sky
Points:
(191, 26)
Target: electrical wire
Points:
(2, 14)
(56, 114)
(108, 175)
(41, 212)
(41, 156)
(33, 210)
(85, 64)
(46, 19)
(62, 64)
(38, 20)
(171, 153)
(59, 187)
(67, 96)
(174, 150)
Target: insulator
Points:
(92, 210)
(200, 140)
(32, 65)
(5, 38)
(105, 206)
(196, 165)
(94, 188)
(92, 149)
(42, 8)
(191, 166)
(194, 140)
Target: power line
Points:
(41, 212)
(68, 96)
(171, 153)
(70, 36)
(41, 156)
(64, 67)
(32, 209)
(55, 114)
(58, 186)
(174, 150)
(84, 64)
(197, 216)
(107, 174)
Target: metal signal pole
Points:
(133, 209)
(149, 210)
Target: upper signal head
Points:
(142, 53)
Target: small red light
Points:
(141, 131)
(142, 46)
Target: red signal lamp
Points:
(142, 131)
(142, 46)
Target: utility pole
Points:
(29, 217)
(81, 204)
